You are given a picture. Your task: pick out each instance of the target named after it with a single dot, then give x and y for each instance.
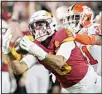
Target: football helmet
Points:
(42, 25)
(79, 15)
(61, 13)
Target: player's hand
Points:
(26, 44)
(6, 41)
(32, 48)
(98, 18)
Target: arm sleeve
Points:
(85, 39)
(65, 49)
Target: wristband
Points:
(29, 60)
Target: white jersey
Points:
(93, 28)
(94, 50)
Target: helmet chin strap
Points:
(47, 41)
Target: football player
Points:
(79, 19)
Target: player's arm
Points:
(89, 39)
(57, 62)
(61, 56)
(24, 64)
(37, 51)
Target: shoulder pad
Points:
(61, 35)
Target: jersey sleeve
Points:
(85, 39)
(62, 36)
(66, 49)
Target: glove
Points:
(6, 41)
(32, 48)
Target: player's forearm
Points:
(10, 72)
(58, 63)
(89, 40)
(25, 63)
(83, 38)
(56, 60)
(14, 65)
(18, 67)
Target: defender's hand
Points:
(6, 41)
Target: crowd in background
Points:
(26, 9)
(22, 11)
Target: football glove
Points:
(32, 48)
(6, 41)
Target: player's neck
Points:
(47, 42)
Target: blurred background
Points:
(26, 9)
(31, 81)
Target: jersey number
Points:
(92, 60)
(97, 29)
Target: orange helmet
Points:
(86, 13)
(79, 15)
